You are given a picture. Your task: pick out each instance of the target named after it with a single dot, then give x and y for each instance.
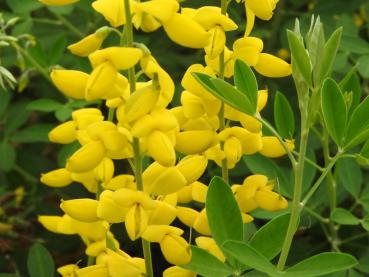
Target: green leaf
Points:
(355, 44)
(249, 256)
(330, 52)
(351, 84)
(358, 126)
(344, 217)
(283, 116)
(245, 82)
(205, 264)
(365, 224)
(33, 133)
(365, 150)
(57, 50)
(268, 240)
(64, 113)
(349, 176)
(9, 275)
(40, 262)
(8, 156)
(4, 101)
(225, 92)
(44, 105)
(225, 223)
(16, 116)
(363, 66)
(300, 57)
(334, 110)
(323, 263)
(23, 6)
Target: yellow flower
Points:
(93, 271)
(161, 149)
(192, 167)
(201, 224)
(121, 58)
(57, 178)
(136, 221)
(63, 133)
(101, 80)
(200, 141)
(176, 271)
(272, 147)
(175, 249)
(107, 208)
(71, 83)
(112, 10)
(58, 2)
(90, 43)
(210, 245)
(263, 9)
(81, 209)
(67, 270)
(186, 32)
(272, 66)
(87, 157)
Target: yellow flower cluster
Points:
(143, 125)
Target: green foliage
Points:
(268, 239)
(334, 110)
(206, 264)
(225, 224)
(40, 262)
(283, 116)
(227, 93)
(345, 217)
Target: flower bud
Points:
(71, 83)
(58, 2)
(63, 133)
(57, 178)
(87, 157)
(161, 149)
(107, 208)
(136, 221)
(121, 58)
(113, 11)
(67, 270)
(192, 167)
(176, 271)
(89, 44)
(270, 201)
(175, 249)
(81, 209)
(201, 224)
(200, 141)
(210, 245)
(273, 148)
(186, 32)
(273, 67)
(93, 271)
(101, 80)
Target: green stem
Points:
(111, 114)
(280, 139)
(309, 161)
(68, 24)
(90, 260)
(296, 208)
(331, 182)
(27, 176)
(39, 67)
(315, 214)
(320, 179)
(128, 31)
(225, 175)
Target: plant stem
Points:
(26, 175)
(39, 67)
(331, 182)
(320, 179)
(225, 174)
(296, 208)
(68, 24)
(315, 214)
(128, 31)
(309, 161)
(275, 133)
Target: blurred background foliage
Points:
(33, 38)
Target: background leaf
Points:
(283, 116)
(207, 265)
(8, 156)
(334, 110)
(344, 217)
(40, 262)
(268, 240)
(44, 105)
(33, 133)
(245, 82)
(321, 264)
(349, 176)
(225, 223)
